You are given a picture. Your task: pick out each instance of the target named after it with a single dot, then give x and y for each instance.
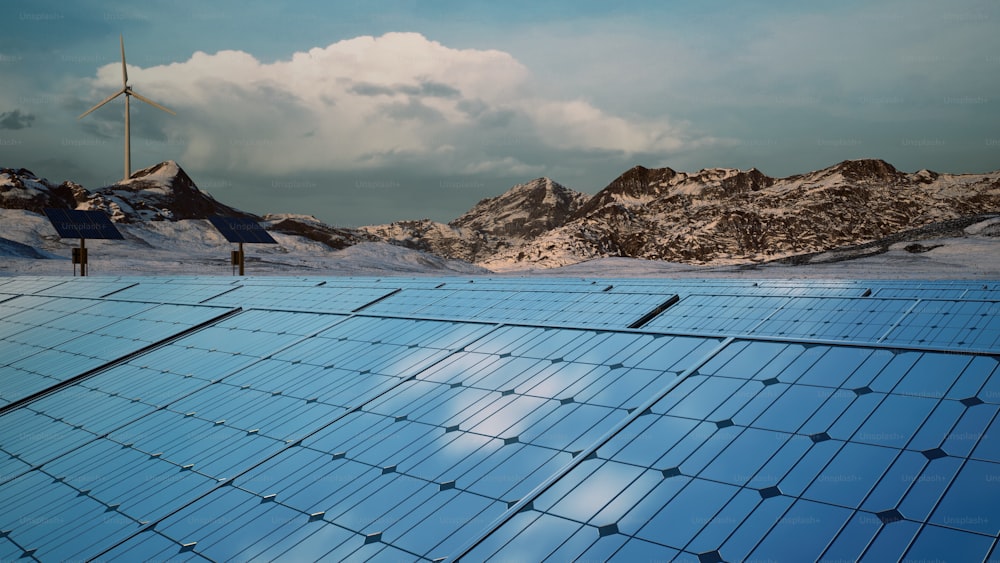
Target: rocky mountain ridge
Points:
(163, 192)
(713, 216)
(493, 225)
(718, 216)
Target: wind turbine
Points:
(127, 90)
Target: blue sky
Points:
(368, 112)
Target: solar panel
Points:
(347, 418)
(82, 224)
(92, 288)
(45, 341)
(241, 229)
(183, 293)
(27, 286)
(816, 460)
(326, 299)
(565, 304)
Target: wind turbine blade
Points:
(152, 103)
(121, 38)
(106, 100)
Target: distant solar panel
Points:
(241, 229)
(570, 303)
(320, 299)
(95, 288)
(76, 223)
(190, 293)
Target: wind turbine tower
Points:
(127, 90)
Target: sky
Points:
(367, 112)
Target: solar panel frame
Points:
(241, 229)
(82, 224)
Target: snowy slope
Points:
(715, 219)
(194, 246)
(970, 253)
(431, 236)
(727, 216)
(524, 211)
(493, 225)
(162, 215)
(22, 189)
(163, 192)
(312, 228)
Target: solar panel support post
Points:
(236, 259)
(241, 230)
(80, 257)
(82, 224)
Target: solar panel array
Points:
(418, 419)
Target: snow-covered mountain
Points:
(493, 225)
(22, 189)
(163, 192)
(720, 215)
(162, 215)
(715, 217)
(312, 228)
(524, 211)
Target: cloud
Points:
(372, 102)
(16, 120)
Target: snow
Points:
(162, 176)
(32, 188)
(955, 259)
(278, 217)
(989, 227)
(580, 248)
(974, 256)
(195, 247)
(13, 249)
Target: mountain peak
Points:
(542, 183)
(639, 181)
(637, 184)
(165, 172)
(524, 211)
(160, 192)
(866, 168)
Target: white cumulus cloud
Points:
(359, 104)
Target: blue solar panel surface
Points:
(84, 224)
(777, 451)
(45, 341)
(427, 418)
(241, 229)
